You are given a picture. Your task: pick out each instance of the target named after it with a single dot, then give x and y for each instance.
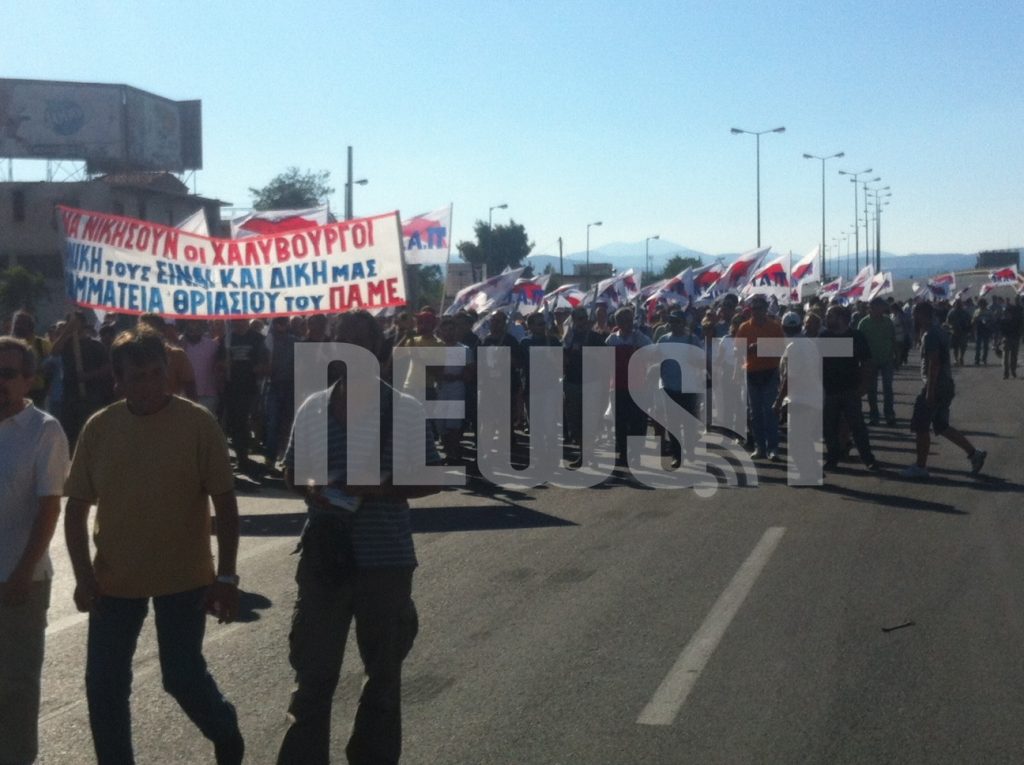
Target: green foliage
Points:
(293, 189)
(20, 288)
(678, 263)
(425, 286)
(497, 248)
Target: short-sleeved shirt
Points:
(575, 342)
(671, 375)
(842, 374)
(33, 463)
(748, 330)
(203, 356)
(381, 527)
(150, 478)
(94, 356)
(881, 337)
(179, 370)
(935, 340)
(244, 353)
(625, 346)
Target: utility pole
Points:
(561, 269)
(348, 188)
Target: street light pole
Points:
(647, 252)
(757, 134)
(349, 183)
(867, 238)
(823, 159)
(596, 223)
(490, 230)
(856, 228)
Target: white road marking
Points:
(245, 553)
(671, 694)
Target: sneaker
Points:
(230, 751)
(757, 454)
(873, 466)
(977, 460)
(914, 471)
(774, 457)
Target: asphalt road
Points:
(624, 625)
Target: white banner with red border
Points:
(130, 266)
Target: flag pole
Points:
(448, 258)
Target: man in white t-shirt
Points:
(33, 463)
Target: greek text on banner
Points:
(131, 266)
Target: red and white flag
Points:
(567, 296)
(487, 295)
(806, 269)
(771, 279)
(1008, 275)
(737, 273)
(857, 289)
(831, 288)
(617, 291)
(263, 222)
(880, 284)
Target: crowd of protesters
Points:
(164, 399)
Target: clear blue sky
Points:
(573, 112)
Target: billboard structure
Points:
(113, 128)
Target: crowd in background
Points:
(243, 370)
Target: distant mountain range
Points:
(626, 255)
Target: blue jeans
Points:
(762, 389)
(885, 371)
(114, 627)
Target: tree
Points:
(497, 248)
(20, 288)
(293, 190)
(678, 263)
(425, 286)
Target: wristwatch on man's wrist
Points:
(229, 579)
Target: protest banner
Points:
(131, 266)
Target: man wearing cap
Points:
(762, 379)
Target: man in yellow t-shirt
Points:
(149, 463)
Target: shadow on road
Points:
(249, 604)
(890, 500)
(428, 520)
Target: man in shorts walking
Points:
(931, 410)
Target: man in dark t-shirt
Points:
(844, 379)
(931, 409)
(88, 380)
(1010, 325)
(246, 354)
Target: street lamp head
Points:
(809, 156)
(656, 236)
(361, 182)
(779, 130)
(596, 223)
(736, 131)
(840, 154)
